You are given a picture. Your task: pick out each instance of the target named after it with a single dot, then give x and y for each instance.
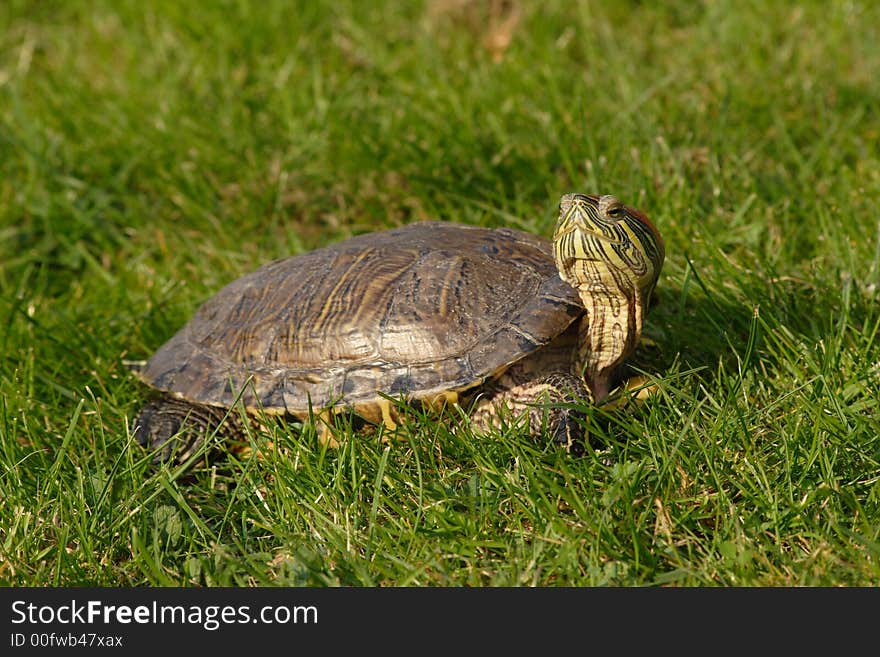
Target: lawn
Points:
(153, 151)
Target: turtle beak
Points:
(578, 234)
(594, 216)
(574, 213)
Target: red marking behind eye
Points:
(641, 216)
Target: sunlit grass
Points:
(152, 152)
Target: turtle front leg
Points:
(173, 429)
(548, 402)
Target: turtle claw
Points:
(568, 432)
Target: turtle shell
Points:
(417, 311)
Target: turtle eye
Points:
(616, 212)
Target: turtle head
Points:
(621, 242)
(612, 255)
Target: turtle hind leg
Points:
(550, 403)
(173, 429)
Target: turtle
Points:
(434, 313)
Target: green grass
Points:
(150, 152)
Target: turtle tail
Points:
(174, 429)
